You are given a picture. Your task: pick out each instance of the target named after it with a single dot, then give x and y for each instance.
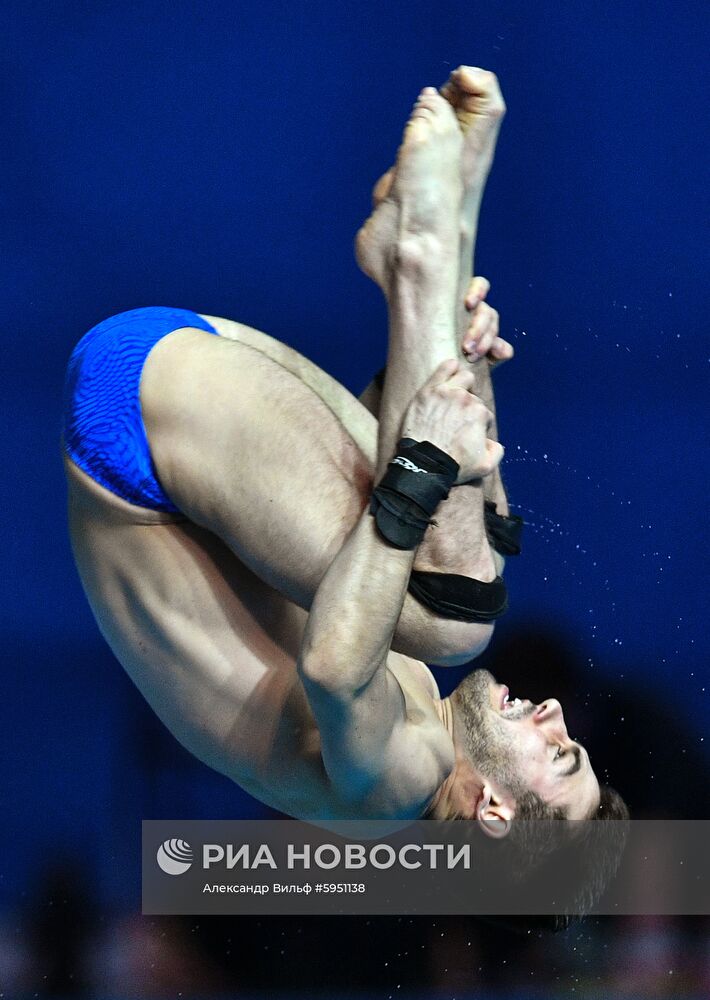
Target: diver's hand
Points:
(446, 412)
(482, 338)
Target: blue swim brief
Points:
(103, 429)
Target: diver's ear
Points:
(494, 817)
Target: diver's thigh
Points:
(349, 410)
(244, 447)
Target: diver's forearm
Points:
(356, 609)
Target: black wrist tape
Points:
(417, 479)
(504, 533)
(451, 596)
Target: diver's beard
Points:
(490, 747)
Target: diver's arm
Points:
(356, 700)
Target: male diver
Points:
(273, 608)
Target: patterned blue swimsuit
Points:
(102, 424)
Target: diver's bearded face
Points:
(518, 745)
(492, 748)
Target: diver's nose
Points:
(550, 713)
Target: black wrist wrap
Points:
(451, 596)
(417, 479)
(504, 533)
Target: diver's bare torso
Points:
(213, 649)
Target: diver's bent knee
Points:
(461, 642)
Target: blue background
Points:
(219, 157)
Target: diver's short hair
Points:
(588, 853)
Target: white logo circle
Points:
(174, 856)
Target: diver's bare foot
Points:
(475, 96)
(423, 202)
